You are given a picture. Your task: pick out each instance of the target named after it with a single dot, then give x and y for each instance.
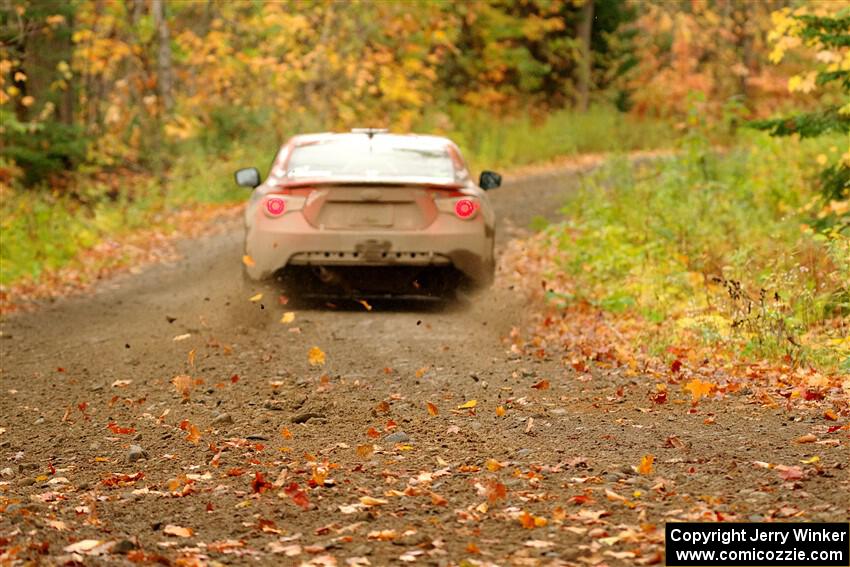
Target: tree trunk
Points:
(163, 55)
(585, 32)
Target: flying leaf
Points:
(183, 384)
(365, 304)
(698, 388)
(316, 356)
(645, 466)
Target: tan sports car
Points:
(369, 213)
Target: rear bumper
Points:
(291, 240)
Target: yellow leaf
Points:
(316, 356)
(365, 304)
(191, 358)
(500, 411)
(645, 466)
(432, 409)
(811, 460)
(698, 388)
(255, 298)
(493, 465)
(248, 261)
(468, 405)
(288, 317)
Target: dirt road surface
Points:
(262, 457)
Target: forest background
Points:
(123, 120)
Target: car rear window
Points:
(369, 158)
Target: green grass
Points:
(672, 239)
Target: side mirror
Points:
(489, 180)
(248, 177)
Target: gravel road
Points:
(265, 458)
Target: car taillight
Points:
(465, 208)
(275, 206)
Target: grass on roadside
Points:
(712, 248)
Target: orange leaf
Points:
(500, 411)
(373, 433)
(493, 465)
(248, 261)
(286, 433)
(183, 384)
(542, 385)
(432, 409)
(194, 435)
(645, 466)
(365, 451)
(316, 356)
(526, 520)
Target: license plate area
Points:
(373, 250)
(356, 215)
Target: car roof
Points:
(423, 141)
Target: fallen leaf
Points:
(316, 356)
(259, 484)
(807, 438)
(256, 298)
(286, 433)
(369, 501)
(248, 261)
(365, 451)
(500, 411)
(811, 460)
(432, 409)
(365, 304)
(120, 384)
(542, 385)
(789, 473)
(382, 535)
(115, 428)
(493, 465)
(191, 358)
(830, 415)
(182, 337)
(177, 531)
(468, 405)
(82, 546)
(288, 317)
